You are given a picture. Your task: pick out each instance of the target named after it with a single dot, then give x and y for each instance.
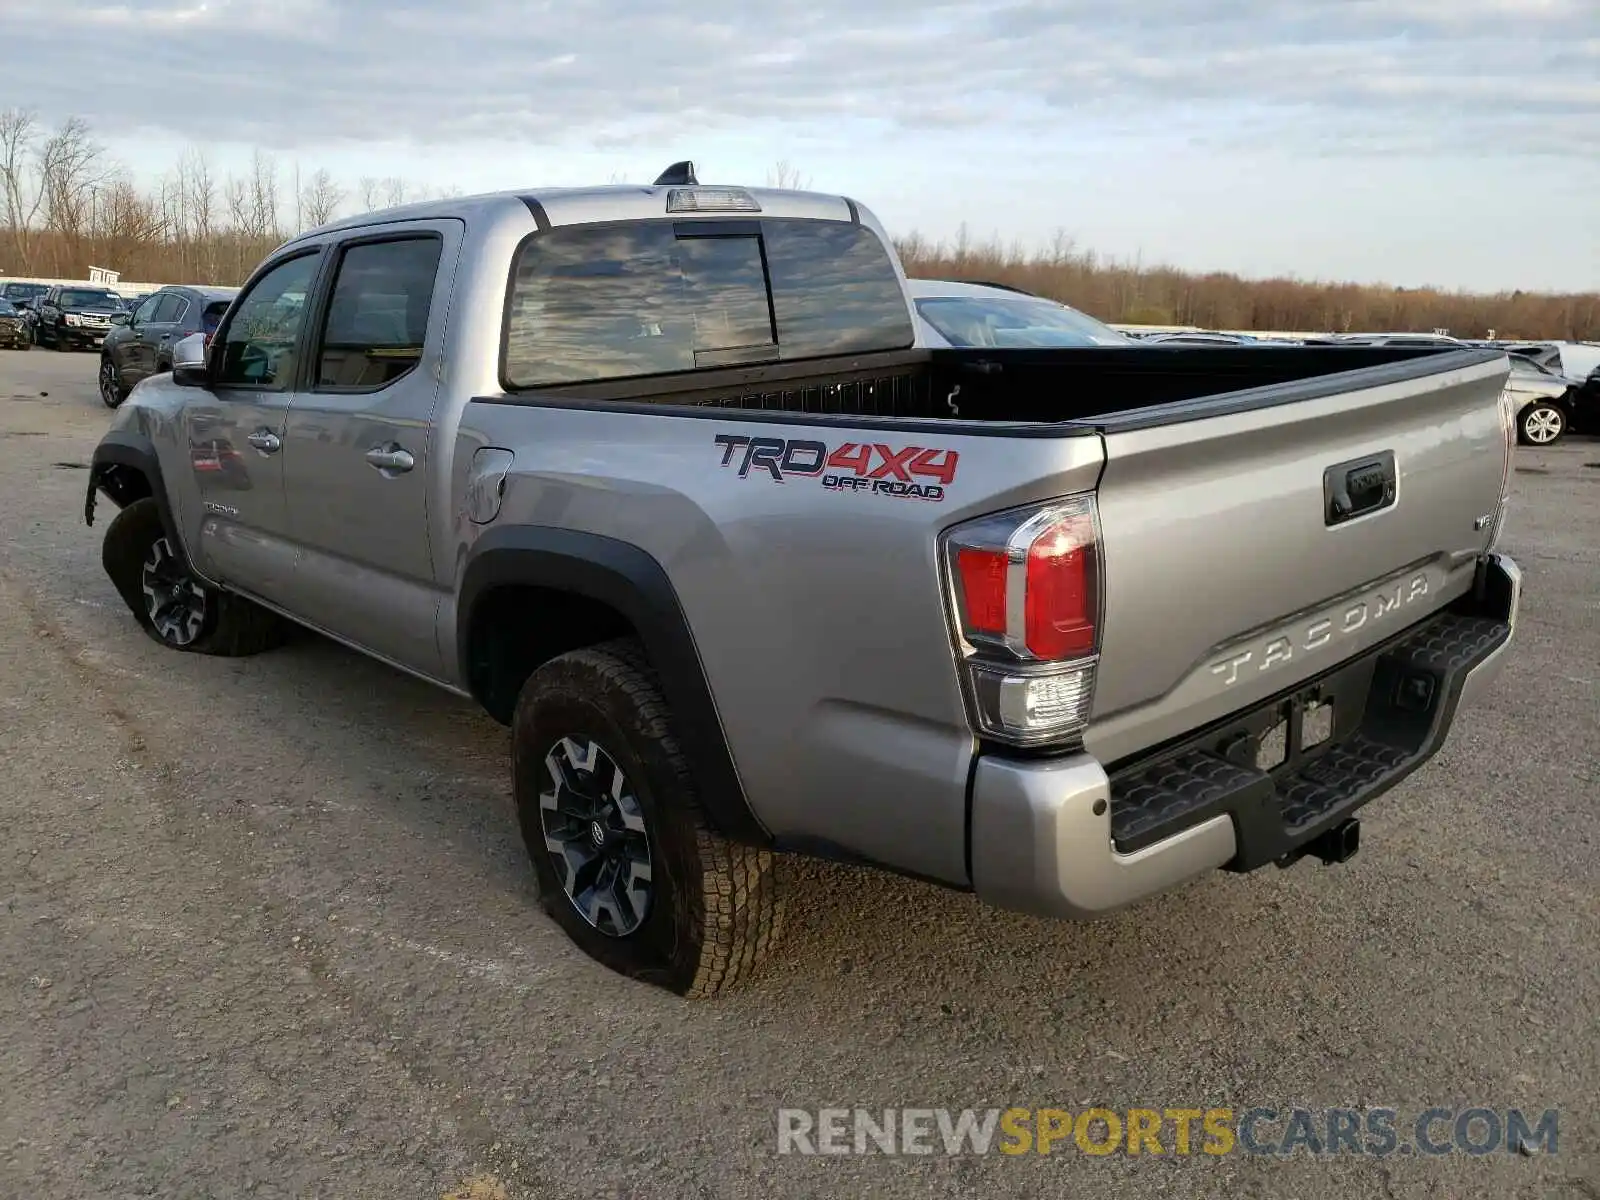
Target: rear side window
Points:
(608, 302)
(168, 308)
(377, 316)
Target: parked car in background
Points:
(139, 344)
(15, 291)
(1579, 360)
(1546, 354)
(955, 313)
(1201, 338)
(14, 332)
(1547, 403)
(73, 317)
(1401, 339)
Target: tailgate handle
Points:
(1360, 486)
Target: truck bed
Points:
(1014, 386)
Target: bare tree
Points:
(320, 198)
(197, 185)
(394, 191)
(370, 191)
(253, 200)
(19, 180)
(125, 220)
(785, 175)
(71, 176)
(264, 194)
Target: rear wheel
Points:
(169, 602)
(112, 393)
(1541, 424)
(626, 861)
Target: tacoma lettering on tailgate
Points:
(910, 472)
(1309, 636)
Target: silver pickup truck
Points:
(658, 477)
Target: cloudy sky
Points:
(1453, 142)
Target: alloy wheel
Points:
(1543, 425)
(594, 831)
(174, 602)
(110, 386)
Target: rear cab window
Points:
(653, 297)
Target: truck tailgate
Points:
(1253, 541)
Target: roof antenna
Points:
(679, 174)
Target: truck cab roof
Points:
(619, 202)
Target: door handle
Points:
(392, 458)
(265, 441)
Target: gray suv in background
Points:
(660, 478)
(139, 343)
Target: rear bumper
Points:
(1065, 838)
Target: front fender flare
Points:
(134, 452)
(629, 580)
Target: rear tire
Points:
(1541, 425)
(112, 393)
(626, 861)
(171, 605)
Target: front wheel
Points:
(626, 861)
(1541, 425)
(170, 603)
(112, 393)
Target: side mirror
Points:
(121, 318)
(189, 361)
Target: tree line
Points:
(1141, 295)
(69, 205)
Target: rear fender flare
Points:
(629, 580)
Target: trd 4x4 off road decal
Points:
(911, 472)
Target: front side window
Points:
(649, 298)
(146, 311)
(258, 349)
(377, 316)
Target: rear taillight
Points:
(1025, 598)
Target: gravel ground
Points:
(268, 930)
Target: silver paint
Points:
(819, 617)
